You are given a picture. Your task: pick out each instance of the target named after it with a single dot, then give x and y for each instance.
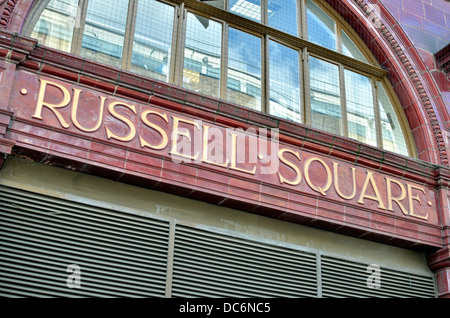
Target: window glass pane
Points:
(393, 138)
(55, 26)
(153, 39)
(360, 108)
(325, 96)
(104, 31)
(349, 48)
(244, 69)
(321, 28)
(250, 9)
(202, 55)
(283, 15)
(284, 84)
(216, 3)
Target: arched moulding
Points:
(403, 56)
(7, 11)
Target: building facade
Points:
(230, 148)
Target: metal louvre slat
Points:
(230, 241)
(249, 249)
(54, 237)
(65, 210)
(63, 240)
(220, 271)
(126, 255)
(120, 255)
(82, 229)
(342, 278)
(216, 265)
(229, 249)
(210, 256)
(390, 277)
(390, 282)
(191, 263)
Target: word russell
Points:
(253, 152)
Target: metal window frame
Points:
(266, 33)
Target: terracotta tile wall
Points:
(427, 23)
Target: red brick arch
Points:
(418, 94)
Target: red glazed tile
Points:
(229, 109)
(202, 101)
(261, 119)
(131, 93)
(414, 119)
(66, 150)
(169, 91)
(135, 81)
(91, 68)
(105, 160)
(165, 103)
(144, 169)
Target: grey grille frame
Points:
(122, 254)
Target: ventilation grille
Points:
(207, 264)
(125, 255)
(342, 278)
(119, 255)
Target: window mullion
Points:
(129, 34)
(377, 113)
(264, 12)
(306, 116)
(300, 18)
(303, 21)
(339, 46)
(343, 101)
(224, 62)
(265, 74)
(178, 46)
(301, 80)
(80, 21)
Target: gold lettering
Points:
(40, 102)
(176, 132)
(165, 138)
(336, 182)
(308, 180)
(76, 98)
(390, 198)
(127, 121)
(205, 149)
(233, 156)
(415, 197)
(377, 197)
(290, 164)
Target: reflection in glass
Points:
(360, 108)
(321, 28)
(250, 9)
(393, 139)
(284, 84)
(202, 55)
(325, 96)
(244, 69)
(104, 31)
(349, 48)
(283, 15)
(55, 26)
(152, 39)
(216, 3)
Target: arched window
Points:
(294, 59)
